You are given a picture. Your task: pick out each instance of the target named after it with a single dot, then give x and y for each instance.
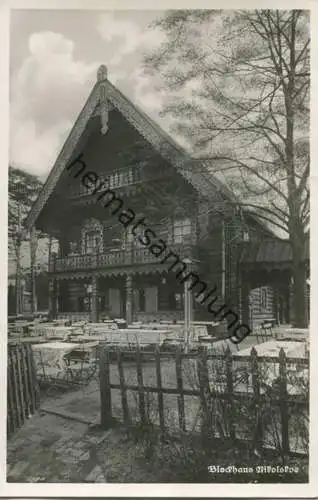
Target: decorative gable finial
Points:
(104, 108)
(103, 103)
(102, 73)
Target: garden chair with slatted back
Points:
(82, 365)
(55, 377)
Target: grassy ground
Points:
(56, 450)
(84, 404)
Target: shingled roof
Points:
(270, 251)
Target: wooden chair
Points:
(52, 378)
(82, 363)
(267, 327)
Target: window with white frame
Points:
(92, 237)
(92, 241)
(181, 230)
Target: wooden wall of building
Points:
(262, 305)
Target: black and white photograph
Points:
(158, 269)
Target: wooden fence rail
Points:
(22, 387)
(236, 382)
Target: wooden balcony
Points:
(115, 258)
(120, 178)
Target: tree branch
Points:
(267, 210)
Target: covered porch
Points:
(141, 296)
(266, 277)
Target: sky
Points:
(54, 57)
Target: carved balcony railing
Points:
(119, 178)
(116, 258)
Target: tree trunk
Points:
(299, 288)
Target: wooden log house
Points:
(101, 270)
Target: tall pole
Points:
(223, 261)
(18, 257)
(187, 310)
(129, 295)
(190, 313)
(94, 300)
(186, 316)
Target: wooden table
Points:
(53, 331)
(27, 340)
(270, 370)
(84, 339)
(129, 336)
(273, 347)
(293, 333)
(20, 327)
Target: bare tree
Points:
(23, 189)
(238, 85)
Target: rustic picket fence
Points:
(22, 386)
(203, 390)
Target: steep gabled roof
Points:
(194, 171)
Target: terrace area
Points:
(68, 362)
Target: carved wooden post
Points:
(94, 303)
(57, 297)
(52, 298)
(245, 291)
(276, 295)
(129, 293)
(291, 300)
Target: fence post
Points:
(182, 423)
(35, 386)
(15, 387)
(22, 386)
(257, 437)
(21, 382)
(26, 385)
(203, 377)
(11, 419)
(31, 379)
(160, 393)
(123, 388)
(141, 391)
(283, 401)
(105, 390)
(230, 394)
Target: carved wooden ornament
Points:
(104, 109)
